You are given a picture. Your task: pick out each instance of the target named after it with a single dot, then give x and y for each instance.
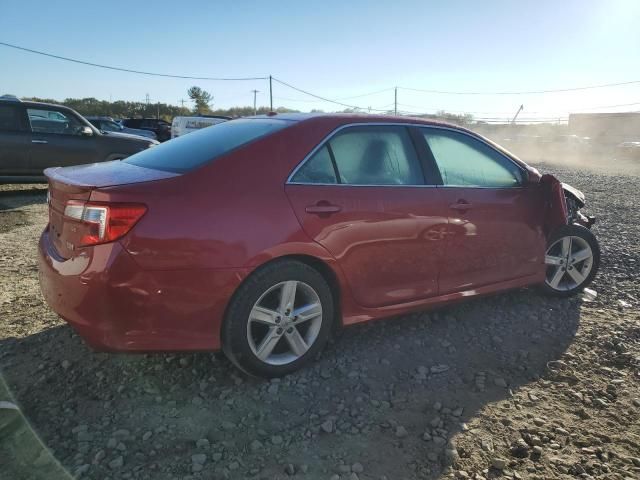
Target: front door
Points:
(56, 140)
(362, 195)
(495, 220)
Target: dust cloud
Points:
(602, 143)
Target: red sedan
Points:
(260, 235)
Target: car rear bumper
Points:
(117, 306)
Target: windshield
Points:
(109, 126)
(191, 151)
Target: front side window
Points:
(367, 155)
(466, 161)
(53, 121)
(9, 119)
(188, 152)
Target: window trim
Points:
(64, 111)
(326, 142)
(419, 153)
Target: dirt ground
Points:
(512, 386)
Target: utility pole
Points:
(270, 94)
(158, 111)
(182, 102)
(255, 112)
(395, 101)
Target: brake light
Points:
(105, 222)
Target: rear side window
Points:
(318, 169)
(188, 152)
(368, 155)
(10, 119)
(468, 162)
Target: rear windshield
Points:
(190, 151)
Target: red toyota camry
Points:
(260, 235)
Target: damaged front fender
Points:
(575, 194)
(556, 214)
(563, 204)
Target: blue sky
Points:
(336, 49)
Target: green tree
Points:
(202, 99)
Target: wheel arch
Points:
(328, 272)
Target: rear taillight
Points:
(105, 222)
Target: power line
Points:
(573, 89)
(366, 94)
(324, 98)
(612, 106)
(120, 69)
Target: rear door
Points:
(56, 140)
(14, 140)
(363, 196)
(495, 220)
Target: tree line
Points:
(124, 109)
(203, 102)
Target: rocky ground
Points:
(512, 386)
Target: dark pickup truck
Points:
(35, 136)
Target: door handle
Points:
(461, 206)
(39, 141)
(323, 209)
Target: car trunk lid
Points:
(74, 185)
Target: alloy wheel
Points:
(284, 322)
(569, 262)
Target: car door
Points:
(495, 219)
(57, 140)
(14, 140)
(362, 195)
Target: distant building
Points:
(606, 127)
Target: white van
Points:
(183, 125)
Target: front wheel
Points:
(572, 259)
(278, 320)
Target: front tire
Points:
(278, 320)
(572, 259)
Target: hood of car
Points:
(577, 194)
(129, 136)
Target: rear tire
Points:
(278, 320)
(572, 258)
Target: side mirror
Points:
(531, 176)
(86, 131)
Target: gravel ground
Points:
(511, 386)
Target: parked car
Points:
(108, 124)
(183, 125)
(161, 128)
(258, 236)
(35, 136)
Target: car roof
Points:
(28, 103)
(347, 118)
